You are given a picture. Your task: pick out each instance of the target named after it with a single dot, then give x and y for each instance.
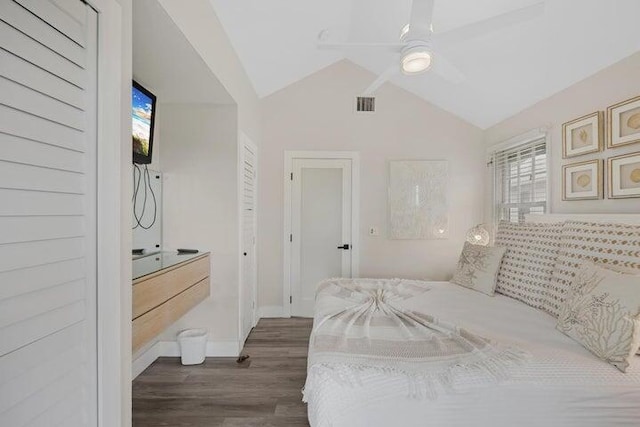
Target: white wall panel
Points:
(20, 71)
(17, 202)
(20, 150)
(22, 124)
(28, 100)
(27, 48)
(57, 18)
(25, 21)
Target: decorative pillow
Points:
(531, 253)
(602, 312)
(478, 268)
(615, 246)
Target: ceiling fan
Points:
(418, 46)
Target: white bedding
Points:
(562, 385)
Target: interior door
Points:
(48, 77)
(248, 206)
(321, 227)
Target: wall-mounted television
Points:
(143, 111)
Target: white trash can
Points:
(193, 346)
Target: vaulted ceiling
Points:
(505, 70)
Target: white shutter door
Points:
(249, 203)
(48, 58)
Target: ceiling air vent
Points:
(365, 104)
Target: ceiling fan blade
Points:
(420, 19)
(445, 69)
(391, 47)
(487, 26)
(382, 78)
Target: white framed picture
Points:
(624, 176)
(418, 199)
(582, 181)
(623, 123)
(583, 135)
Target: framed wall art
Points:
(582, 181)
(623, 123)
(624, 176)
(418, 199)
(583, 135)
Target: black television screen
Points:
(143, 108)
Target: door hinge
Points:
(291, 237)
(290, 299)
(291, 176)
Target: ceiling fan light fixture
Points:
(415, 60)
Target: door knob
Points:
(345, 247)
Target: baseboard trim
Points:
(172, 349)
(144, 360)
(271, 311)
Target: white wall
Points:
(317, 114)
(200, 25)
(613, 84)
(199, 163)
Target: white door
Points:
(248, 161)
(48, 77)
(321, 244)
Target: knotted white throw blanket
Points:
(360, 324)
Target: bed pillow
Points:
(531, 253)
(478, 268)
(602, 312)
(612, 245)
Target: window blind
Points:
(520, 180)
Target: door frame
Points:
(113, 297)
(289, 156)
(244, 140)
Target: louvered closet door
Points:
(249, 202)
(48, 367)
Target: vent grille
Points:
(365, 104)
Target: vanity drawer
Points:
(152, 323)
(151, 291)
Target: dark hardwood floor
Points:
(265, 390)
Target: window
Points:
(520, 180)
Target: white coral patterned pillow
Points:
(478, 268)
(602, 312)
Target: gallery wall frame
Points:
(583, 135)
(624, 176)
(583, 180)
(623, 123)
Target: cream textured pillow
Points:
(602, 312)
(478, 268)
(615, 245)
(528, 263)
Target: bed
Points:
(559, 384)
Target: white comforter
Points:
(563, 385)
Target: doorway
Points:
(321, 224)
